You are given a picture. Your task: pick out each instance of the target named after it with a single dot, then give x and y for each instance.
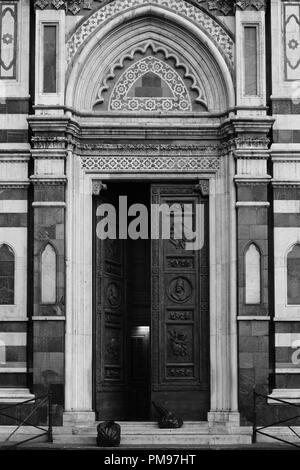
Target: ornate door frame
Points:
(86, 171)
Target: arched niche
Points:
(252, 275)
(48, 275)
(102, 60)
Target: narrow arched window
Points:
(7, 275)
(252, 275)
(48, 275)
(293, 276)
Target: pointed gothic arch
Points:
(92, 51)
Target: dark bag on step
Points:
(109, 434)
(167, 419)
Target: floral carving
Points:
(58, 3)
(243, 4)
(74, 6)
(41, 4)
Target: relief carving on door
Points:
(180, 333)
(110, 350)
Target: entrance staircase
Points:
(147, 434)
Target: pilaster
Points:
(250, 146)
(48, 209)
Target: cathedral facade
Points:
(162, 102)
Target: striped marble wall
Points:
(287, 312)
(14, 184)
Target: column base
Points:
(230, 418)
(79, 418)
(15, 395)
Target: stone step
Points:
(148, 433)
(150, 428)
(182, 440)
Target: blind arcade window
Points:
(252, 275)
(50, 58)
(250, 54)
(7, 275)
(48, 275)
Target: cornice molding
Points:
(251, 181)
(13, 184)
(148, 149)
(286, 184)
(51, 181)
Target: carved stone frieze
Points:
(148, 149)
(45, 142)
(246, 143)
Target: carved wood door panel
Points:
(180, 312)
(111, 326)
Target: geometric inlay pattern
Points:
(120, 101)
(8, 40)
(115, 164)
(209, 26)
(292, 41)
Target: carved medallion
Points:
(179, 290)
(113, 294)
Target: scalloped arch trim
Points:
(142, 48)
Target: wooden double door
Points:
(151, 307)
